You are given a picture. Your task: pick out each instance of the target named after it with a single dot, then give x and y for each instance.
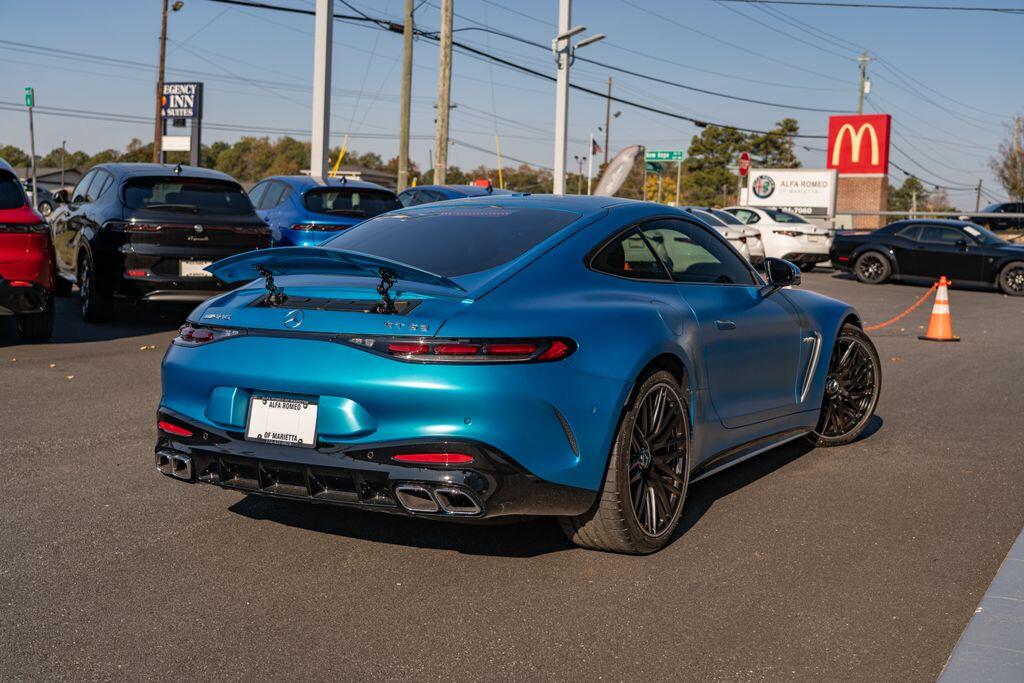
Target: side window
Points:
(257, 193)
(939, 234)
(747, 217)
(693, 254)
(99, 186)
(911, 232)
(429, 196)
(629, 256)
(81, 190)
(274, 195)
(407, 198)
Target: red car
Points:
(27, 265)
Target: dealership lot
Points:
(858, 562)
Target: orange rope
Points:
(904, 313)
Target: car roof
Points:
(949, 222)
(472, 190)
(586, 205)
(306, 182)
(132, 170)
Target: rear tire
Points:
(852, 386)
(94, 307)
(1011, 279)
(644, 489)
(872, 268)
(34, 327)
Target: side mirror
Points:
(60, 196)
(780, 273)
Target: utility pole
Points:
(323, 41)
(977, 197)
(158, 125)
(590, 163)
(1020, 158)
(607, 119)
(444, 95)
(863, 59)
(579, 177)
(403, 125)
(913, 203)
(63, 153)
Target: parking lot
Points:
(860, 562)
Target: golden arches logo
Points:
(855, 139)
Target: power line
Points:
(878, 5)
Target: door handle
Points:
(725, 324)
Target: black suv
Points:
(147, 231)
(1001, 222)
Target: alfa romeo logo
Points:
(763, 186)
(293, 319)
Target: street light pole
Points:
(590, 162)
(158, 127)
(323, 39)
(403, 124)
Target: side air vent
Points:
(570, 437)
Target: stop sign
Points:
(744, 163)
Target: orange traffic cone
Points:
(940, 327)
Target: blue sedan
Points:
(586, 358)
(303, 211)
(426, 194)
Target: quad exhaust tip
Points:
(418, 498)
(174, 465)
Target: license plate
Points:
(194, 268)
(288, 421)
(813, 238)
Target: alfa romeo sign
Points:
(800, 191)
(182, 101)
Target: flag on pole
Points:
(594, 147)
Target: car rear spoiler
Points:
(251, 265)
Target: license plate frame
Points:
(193, 268)
(282, 425)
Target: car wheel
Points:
(94, 307)
(872, 268)
(648, 473)
(37, 326)
(807, 267)
(852, 387)
(1011, 279)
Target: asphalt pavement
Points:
(861, 562)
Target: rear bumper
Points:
(20, 300)
(163, 288)
(805, 257)
(365, 476)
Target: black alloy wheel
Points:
(852, 387)
(93, 306)
(1011, 279)
(872, 268)
(648, 474)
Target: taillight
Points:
(434, 458)
(34, 228)
(196, 335)
(317, 227)
(787, 233)
(466, 350)
(171, 428)
(743, 239)
(141, 227)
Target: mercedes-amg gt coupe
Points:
(586, 358)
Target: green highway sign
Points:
(30, 97)
(664, 155)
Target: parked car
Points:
(27, 270)
(425, 194)
(1000, 222)
(146, 232)
(45, 205)
(746, 240)
(580, 357)
(786, 235)
(925, 249)
(304, 211)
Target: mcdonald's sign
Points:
(859, 144)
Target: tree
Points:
(14, 156)
(1008, 165)
(775, 148)
(902, 198)
(708, 180)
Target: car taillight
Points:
(317, 227)
(196, 335)
(787, 233)
(434, 458)
(743, 239)
(465, 350)
(171, 428)
(35, 228)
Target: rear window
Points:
(350, 202)
(187, 195)
(11, 196)
(783, 216)
(726, 217)
(454, 240)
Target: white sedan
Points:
(786, 235)
(746, 240)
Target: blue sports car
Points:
(426, 194)
(581, 357)
(303, 211)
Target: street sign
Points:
(30, 97)
(664, 155)
(654, 167)
(182, 101)
(744, 163)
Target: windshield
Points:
(454, 240)
(784, 216)
(187, 195)
(10, 193)
(992, 208)
(726, 217)
(982, 234)
(342, 201)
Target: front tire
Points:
(872, 268)
(34, 327)
(642, 497)
(1011, 279)
(852, 387)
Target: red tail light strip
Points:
(465, 350)
(434, 458)
(173, 428)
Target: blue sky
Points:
(951, 80)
